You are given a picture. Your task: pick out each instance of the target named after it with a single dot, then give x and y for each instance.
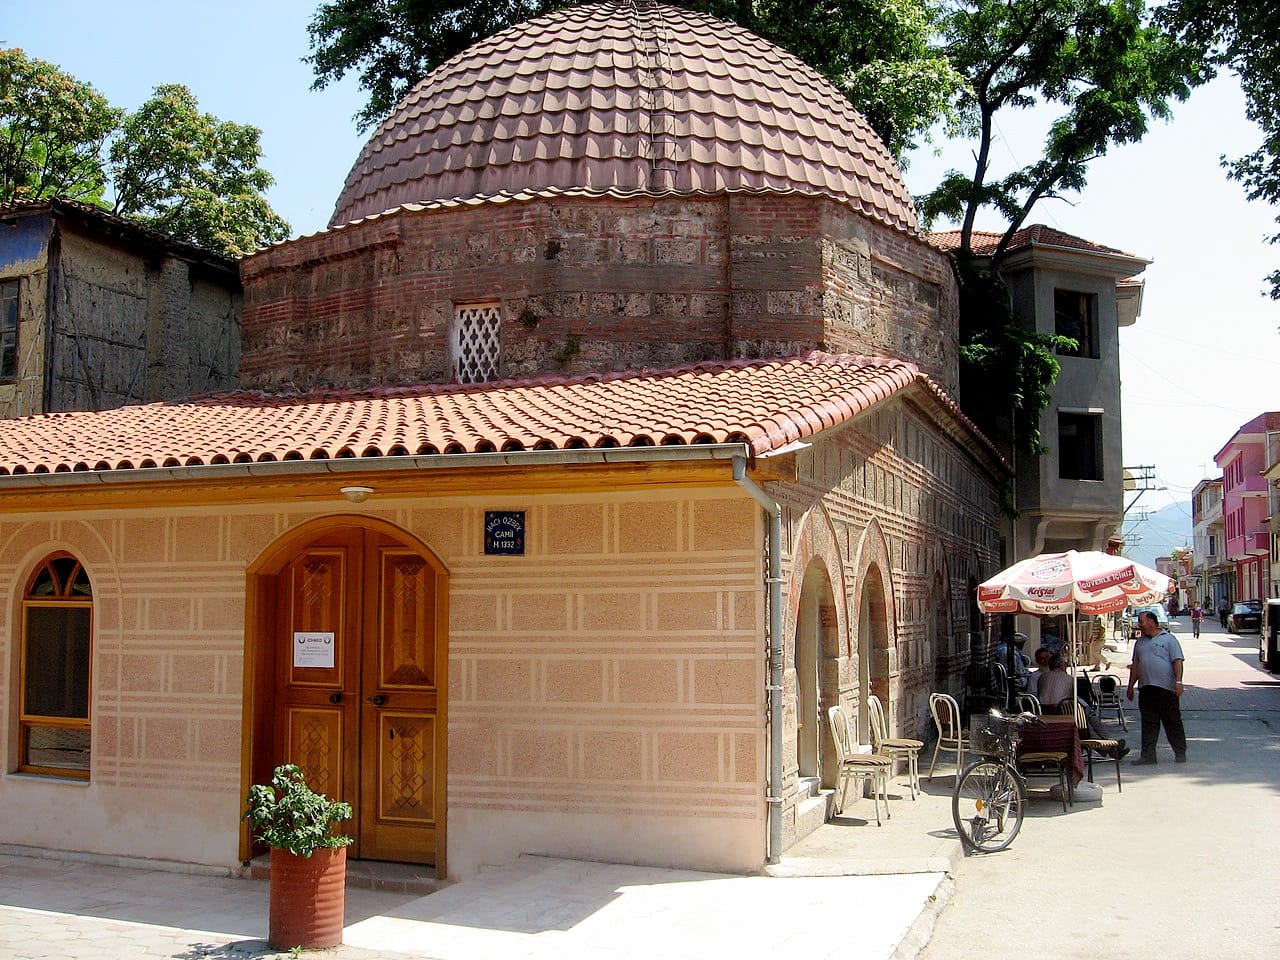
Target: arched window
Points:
(57, 622)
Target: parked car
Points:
(1159, 609)
(1246, 617)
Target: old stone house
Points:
(604, 440)
(97, 311)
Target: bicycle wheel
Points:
(987, 806)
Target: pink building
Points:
(1244, 503)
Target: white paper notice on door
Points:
(312, 649)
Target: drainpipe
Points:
(773, 797)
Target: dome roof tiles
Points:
(575, 99)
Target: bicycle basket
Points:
(992, 735)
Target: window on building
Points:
(474, 342)
(8, 329)
(1079, 446)
(1213, 545)
(1075, 315)
(57, 619)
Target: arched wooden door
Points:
(359, 669)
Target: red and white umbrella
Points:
(1083, 582)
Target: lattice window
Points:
(474, 342)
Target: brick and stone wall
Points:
(594, 284)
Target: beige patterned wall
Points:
(606, 690)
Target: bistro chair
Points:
(951, 732)
(1048, 764)
(1028, 703)
(862, 767)
(1093, 746)
(1107, 696)
(898, 748)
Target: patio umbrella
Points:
(1076, 582)
(1087, 582)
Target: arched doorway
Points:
(873, 647)
(348, 639)
(816, 647)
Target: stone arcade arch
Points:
(877, 672)
(819, 638)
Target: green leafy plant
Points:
(288, 815)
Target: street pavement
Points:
(1182, 863)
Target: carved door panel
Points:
(402, 792)
(357, 699)
(318, 666)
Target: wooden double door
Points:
(359, 667)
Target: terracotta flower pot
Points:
(308, 898)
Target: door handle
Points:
(377, 700)
(335, 698)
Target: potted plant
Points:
(308, 860)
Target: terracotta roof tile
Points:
(765, 404)
(577, 101)
(984, 242)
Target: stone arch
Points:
(938, 622)
(876, 623)
(816, 634)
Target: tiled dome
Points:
(624, 97)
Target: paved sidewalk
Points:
(849, 886)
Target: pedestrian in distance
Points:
(1197, 617)
(1223, 610)
(1157, 671)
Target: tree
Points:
(189, 174)
(52, 131)
(1110, 70)
(192, 175)
(1243, 35)
(877, 52)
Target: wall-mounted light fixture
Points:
(356, 494)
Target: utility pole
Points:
(1139, 480)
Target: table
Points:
(1054, 734)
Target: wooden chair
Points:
(951, 732)
(899, 748)
(1091, 746)
(858, 766)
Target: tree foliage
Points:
(52, 131)
(1108, 69)
(1244, 36)
(1102, 62)
(166, 164)
(877, 52)
(192, 175)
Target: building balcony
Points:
(1258, 543)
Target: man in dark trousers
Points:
(1223, 610)
(1157, 670)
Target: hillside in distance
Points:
(1159, 533)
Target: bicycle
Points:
(987, 803)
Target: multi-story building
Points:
(1246, 505)
(1072, 497)
(1209, 565)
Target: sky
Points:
(1203, 358)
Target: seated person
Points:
(1021, 664)
(1055, 683)
(1051, 641)
(1043, 656)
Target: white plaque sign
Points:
(313, 649)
